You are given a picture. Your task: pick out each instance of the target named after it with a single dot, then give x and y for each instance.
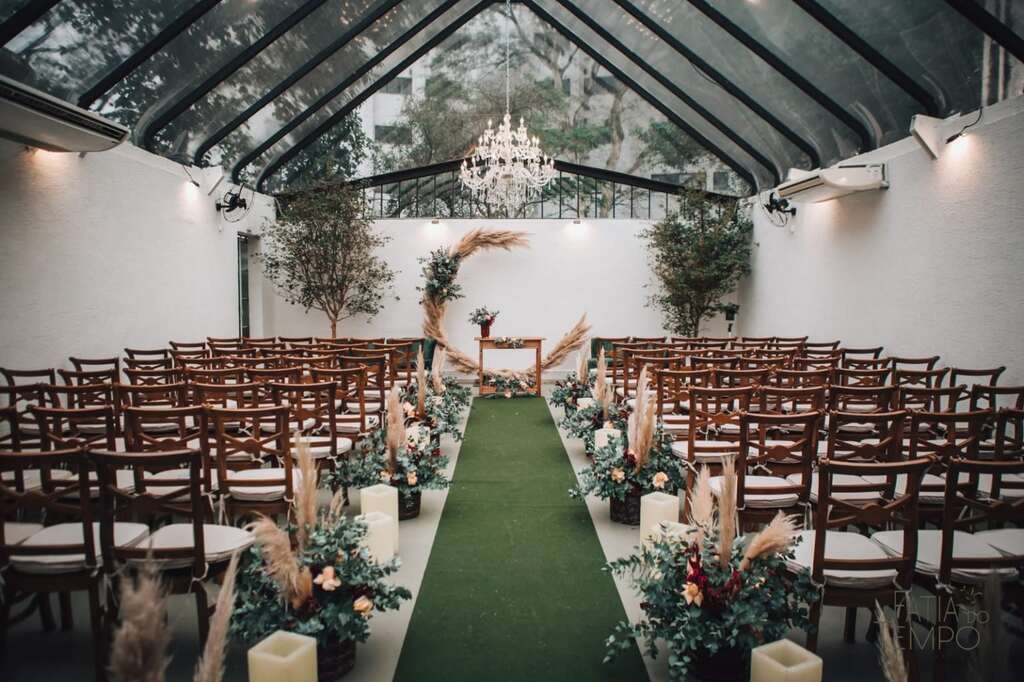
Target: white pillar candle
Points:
(382, 498)
(584, 403)
(784, 661)
(381, 534)
(604, 436)
(283, 656)
(654, 509)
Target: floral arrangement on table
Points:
(509, 385)
(398, 455)
(508, 341)
(710, 595)
(622, 472)
(574, 386)
(323, 584)
(482, 316)
(440, 269)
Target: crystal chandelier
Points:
(507, 167)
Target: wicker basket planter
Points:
(335, 659)
(409, 506)
(626, 511)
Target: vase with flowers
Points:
(710, 595)
(313, 577)
(485, 318)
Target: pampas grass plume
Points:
(890, 655)
(776, 537)
(435, 370)
(421, 384)
(727, 512)
(139, 649)
(702, 505)
(280, 561)
(211, 665)
(305, 493)
(396, 428)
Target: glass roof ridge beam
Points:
(669, 85)
(871, 55)
(867, 140)
(377, 84)
(666, 111)
(312, 63)
(995, 29)
(166, 35)
(799, 142)
(182, 104)
(23, 18)
(348, 81)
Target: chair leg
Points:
(99, 641)
(850, 626)
(815, 617)
(45, 611)
(67, 616)
(202, 612)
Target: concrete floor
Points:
(33, 655)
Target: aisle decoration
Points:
(400, 456)
(622, 475)
(485, 318)
(603, 413)
(440, 270)
(324, 585)
(575, 385)
(713, 597)
(509, 385)
(437, 401)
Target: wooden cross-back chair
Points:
(29, 377)
(850, 353)
(778, 400)
(905, 363)
(635, 361)
(350, 414)
(800, 378)
(375, 388)
(285, 375)
(61, 557)
(702, 361)
(20, 399)
(200, 359)
(866, 364)
(806, 363)
(187, 346)
(724, 377)
(247, 486)
(156, 358)
(860, 377)
(672, 389)
(313, 410)
(163, 429)
(616, 358)
(150, 363)
(154, 377)
(821, 347)
(87, 365)
(931, 399)
(865, 400)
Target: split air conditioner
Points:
(829, 183)
(36, 119)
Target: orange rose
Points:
(328, 580)
(692, 594)
(363, 606)
(411, 478)
(660, 479)
(618, 475)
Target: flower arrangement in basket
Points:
(623, 472)
(509, 384)
(436, 401)
(323, 584)
(397, 455)
(485, 318)
(576, 385)
(710, 595)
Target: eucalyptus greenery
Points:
(614, 474)
(508, 386)
(440, 269)
(568, 390)
(582, 423)
(698, 256)
(699, 607)
(419, 466)
(321, 254)
(331, 613)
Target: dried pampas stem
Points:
(890, 655)
(727, 512)
(575, 338)
(480, 240)
(421, 384)
(437, 369)
(396, 428)
(282, 565)
(602, 392)
(583, 363)
(211, 665)
(305, 493)
(139, 649)
(776, 537)
(702, 505)
(641, 421)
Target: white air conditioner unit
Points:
(829, 183)
(36, 119)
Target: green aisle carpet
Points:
(514, 588)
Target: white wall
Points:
(933, 265)
(111, 250)
(598, 267)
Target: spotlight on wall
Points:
(232, 201)
(435, 220)
(779, 206)
(190, 178)
(963, 131)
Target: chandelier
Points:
(507, 167)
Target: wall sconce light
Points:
(963, 131)
(190, 178)
(435, 220)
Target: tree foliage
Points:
(320, 254)
(698, 256)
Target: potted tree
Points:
(321, 254)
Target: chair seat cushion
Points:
(1007, 541)
(665, 406)
(929, 552)
(842, 545)
(268, 493)
(762, 500)
(124, 479)
(16, 531)
(706, 451)
(271, 427)
(219, 542)
(839, 479)
(33, 479)
(372, 421)
(179, 475)
(320, 448)
(125, 535)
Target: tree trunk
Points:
(334, 327)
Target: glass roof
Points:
(283, 93)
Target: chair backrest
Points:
(1009, 434)
(20, 399)
(230, 395)
(961, 438)
(350, 391)
(993, 397)
(149, 501)
(850, 353)
(224, 340)
(898, 511)
(154, 377)
(144, 353)
(863, 399)
(711, 362)
(159, 429)
(882, 443)
(778, 400)
(270, 441)
(757, 451)
(97, 365)
(83, 395)
(672, 387)
(300, 340)
(921, 378)
(765, 340)
(647, 339)
(291, 375)
(931, 399)
(187, 346)
(376, 374)
(153, 395)
(962, 375)
(194, 358)
(24, 377)
(723, 377)
(860, 377)
(69, 428)
(828, 347)
(900, 362)
(222, 376)
(867, 363)
(313, 409)
(713, 408)
(148, 363)
(10, 430)
(63, 496)
(811, 359)
(797, 378)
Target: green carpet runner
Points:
(514, 588)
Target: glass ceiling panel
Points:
(307, 90)
(733, 114)
(9, 7)
(841, 73)
(933, 43)
(580, 113)
(252, 170)
(78, 42)
(188, 59)
(832, 139)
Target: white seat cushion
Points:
(267, 493)
(178, 475)
(219, 542)
(125, 535)
(839, 479)
(372, 422)
(33, 479)
(16, 531)
(707, 451)
(271, 427)
(323, 450)
(985, 485)
(761, 500)
(665, 406)
(929, 552)
(1008, 541)
(842, 545)
(124, 479)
